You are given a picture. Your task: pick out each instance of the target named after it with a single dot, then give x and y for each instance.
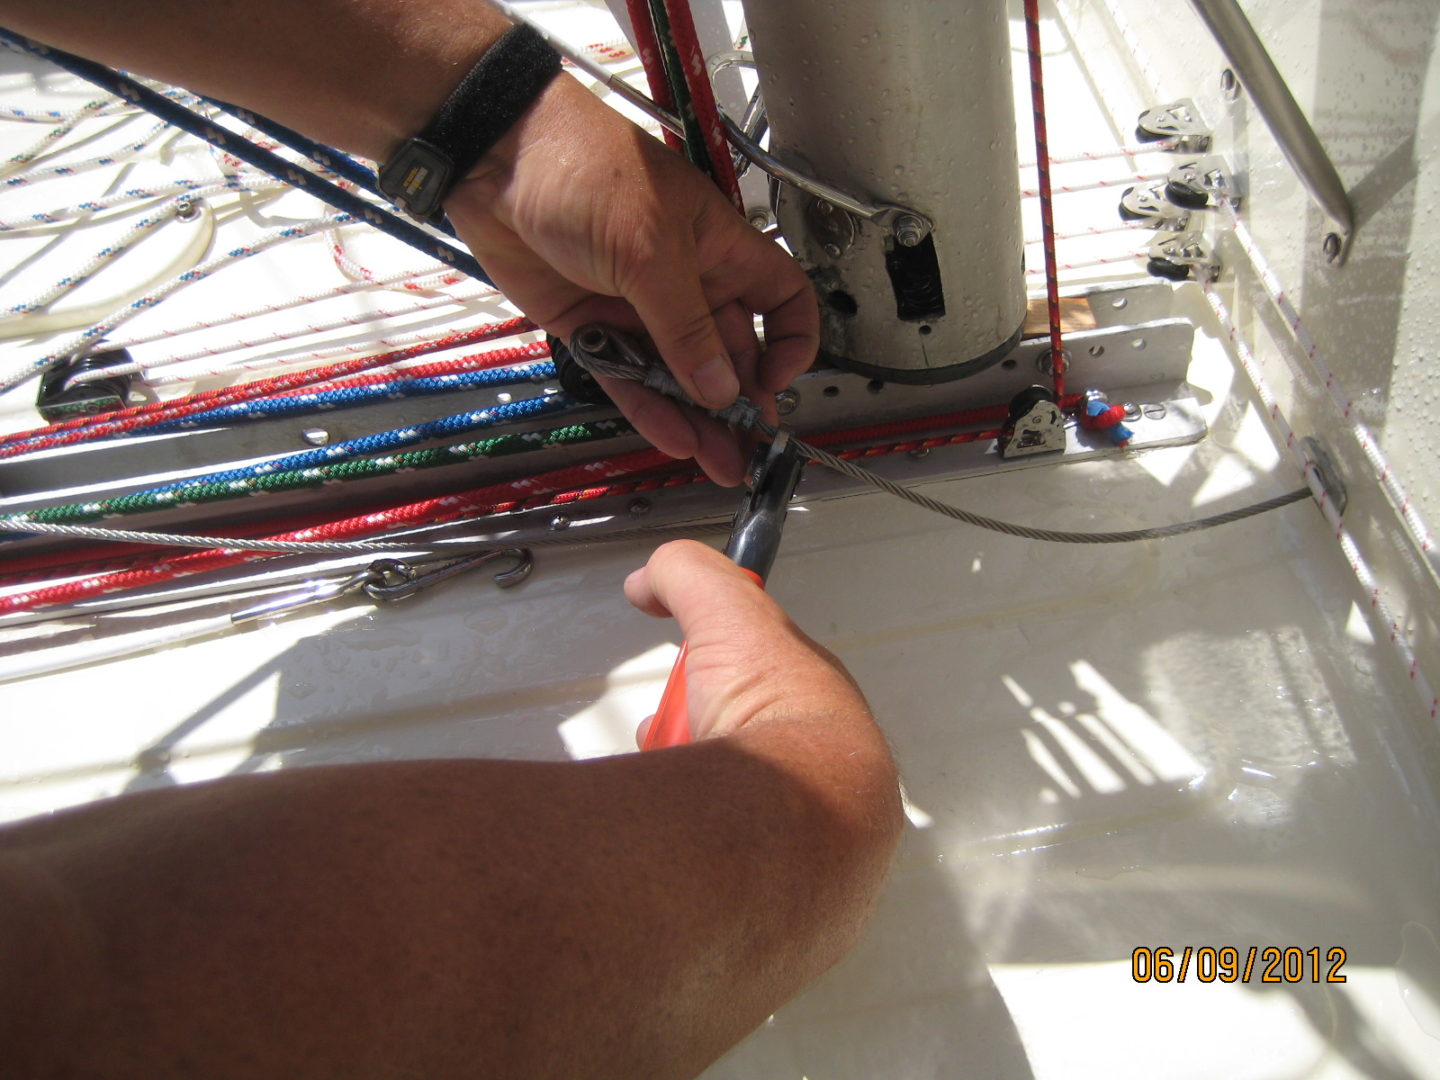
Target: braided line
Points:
(137, 416)
(1047, 208)
(427, 511)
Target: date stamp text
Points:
(1242, 964)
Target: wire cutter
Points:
(754, 542)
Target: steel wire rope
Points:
(745, 416)
(430, 511)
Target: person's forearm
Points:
(630, 917)
(363, 75)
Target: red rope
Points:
(557, 487)
(82, 429)
(494, 358)
(648, 48)
(486, 500)
(1047, 210)
(702, 98)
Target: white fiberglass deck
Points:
(1197, 742)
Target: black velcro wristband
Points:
(486, 104)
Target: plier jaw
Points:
(755, 533)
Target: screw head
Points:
(315, 436)
(823, 208)
(638, 507)
(187, 211)
(559, 521)
(787, 401)
(833, 250)
(760, 219)
(918, 453)
(1153, 411)
(1331, 246)
(1229, 85)
(909, 230)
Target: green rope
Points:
(697, 151)
(363, 468)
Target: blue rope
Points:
(128, 89)
(347, 397)
(337, 161)
(379, 443)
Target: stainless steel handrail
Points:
(1297, 139)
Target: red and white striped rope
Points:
(1047, 208)
(1094, 185)
(1087, 264)
(647, 45)
(1369, 445)
(428, 511)
(264, 363)
(423, 284)
(128, 419)
(70, 346)
(1397, 637)
(702, 99)
(153, 370)
(1161, 146)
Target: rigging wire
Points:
(745, 416)
(491, 499)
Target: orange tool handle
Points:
(671, 723)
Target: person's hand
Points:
(747, 663)
(580, 216)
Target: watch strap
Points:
(477, 114)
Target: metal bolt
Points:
(639, 507)
(315, 436)
(760, 219)
(558, 522)
(1153, 411)
(823, 208)
(1331, 245)
(909, 230)
(833, 250)
(918, 453)
(187, 211)
(787, 401)
(1229, 85)
(1045, 363)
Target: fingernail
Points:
(716, 383)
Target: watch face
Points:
(417, 178)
